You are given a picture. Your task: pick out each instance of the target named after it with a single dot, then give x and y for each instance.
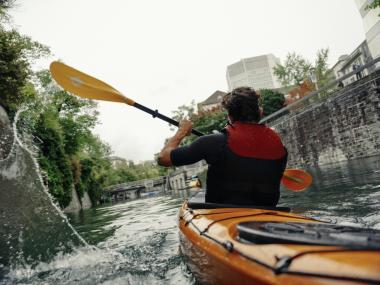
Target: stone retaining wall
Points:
(344, 126)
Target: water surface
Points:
(136, 242)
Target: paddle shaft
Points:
(155, 114)
(292, 178)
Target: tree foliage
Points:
(52, 158)
(184, 112)
(207, 122)
(17, 52)
(294, 71)
(373, 5)
(204, 121)
(297, 69)
(63, 131)
(272, 101)
(5, 5)
(61, 124)
(129, 171)
(322, 72)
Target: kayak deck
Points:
(217, 255)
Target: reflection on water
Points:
(137, 242)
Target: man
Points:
(359, 73)
(246, 160)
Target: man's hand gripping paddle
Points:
(86, 86)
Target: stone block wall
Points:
(344, 126)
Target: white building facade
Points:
(255, 72)
(347, 63)
(371, 24)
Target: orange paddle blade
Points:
(296, 179)
(84, 85)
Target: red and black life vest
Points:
(250, 168)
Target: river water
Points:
(136, 242)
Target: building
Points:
(347, 63)
(255, 72)
(213, 102)
(371, 24)
(368, 50)
(178, 179)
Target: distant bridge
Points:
(133, 189)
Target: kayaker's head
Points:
(242, 104)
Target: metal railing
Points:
(306, 100)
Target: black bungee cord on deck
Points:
(284, 262)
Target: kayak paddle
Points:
(296, 179)
(86, 86)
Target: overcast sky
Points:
(166, 53)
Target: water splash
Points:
(33, 228)
(130, 255)
(38, 172)
(39, 245)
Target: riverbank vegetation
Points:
(69, 153)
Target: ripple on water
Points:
(90, 265)
(367, 186)
(141, 249)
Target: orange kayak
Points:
(224, 244)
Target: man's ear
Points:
(261, 110)
(230, 119)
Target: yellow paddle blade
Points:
(83, 85)
(296, 179)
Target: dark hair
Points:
(242, 104)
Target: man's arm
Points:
(184, 130)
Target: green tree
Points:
(67, 145)
(52, 158)
(17, 52)
(5, 5)
(272, 101)
(184, 112)
(294, 71)
(95, 168)
(373, 5)
(129, 171)
(207, 123)
(76, 116)
(322, 72)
